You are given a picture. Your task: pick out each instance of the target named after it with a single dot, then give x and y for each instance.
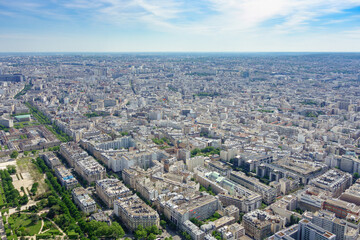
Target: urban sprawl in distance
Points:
(180, 146)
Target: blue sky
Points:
(179, 25)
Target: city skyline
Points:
(180, 26)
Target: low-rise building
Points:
(100, 217)
(193, 230)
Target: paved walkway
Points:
(22, 208)
(3, 234)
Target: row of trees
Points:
(38, 115)
(2, 127)
(47, 122)
(148, 233)
(34, 188)
(68, 217)
(12, 195)
(23, 91)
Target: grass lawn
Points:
(19, 125)
(24, 222)
(49, 226)
(25, 165)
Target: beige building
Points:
(260, 224)
(134, 212)
(72, 153)
(83, 200)
(237, 230)
(194, 162)
(111, 189)
(90, 169)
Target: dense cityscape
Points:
(180, 146)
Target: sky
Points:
(180, 26)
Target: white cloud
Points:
(223, 16)
(352, 34)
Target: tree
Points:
(116, 230)
(51, 201)
(140, 232)
(14, 154)
(26, 153)
(34, 188)
(216, 215)
(355, 177)
(151, 236)
(23, 200)
(11, 169)
(34, 218)
(54, 210)
(196, 221)
(294, 219)
(163, 223)
(186, 235)
(216, 234)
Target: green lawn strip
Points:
(49, 227)
(24, 224)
